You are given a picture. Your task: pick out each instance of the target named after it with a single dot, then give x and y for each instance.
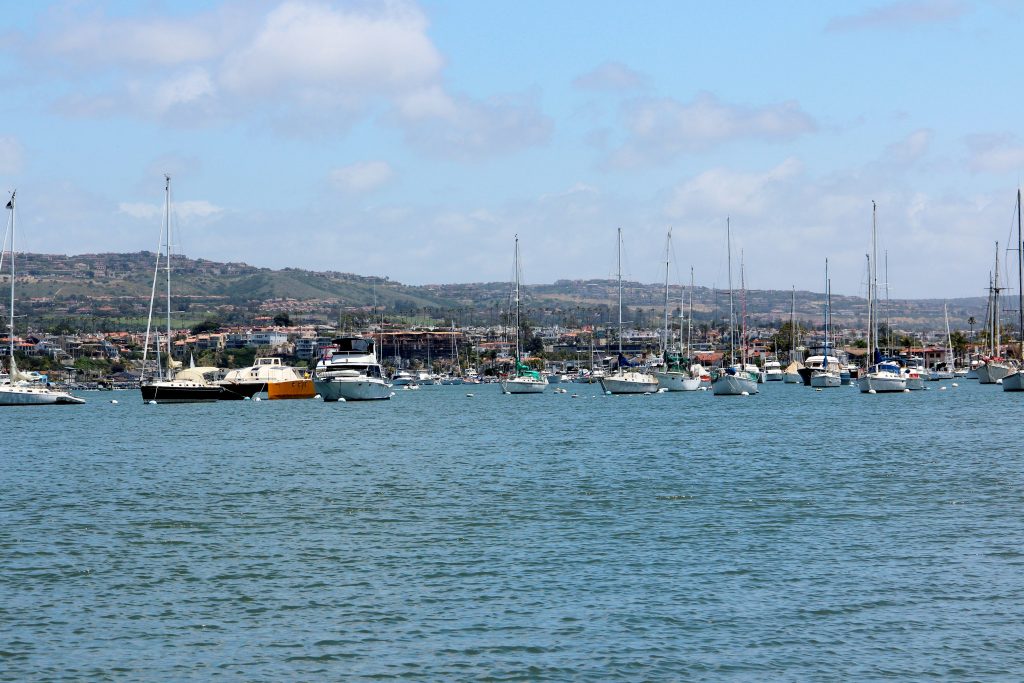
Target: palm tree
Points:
(972, 322)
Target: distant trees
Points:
(282, 319)
(208, 325)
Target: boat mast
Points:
(167, 209)
(515, 370)
(10, 335)
(689, 319)
(743, 311)
(792, 326)
(1020, 283)
(995, 307)
(619, 265)
(873, 284)
(732, 316)
(664, 338)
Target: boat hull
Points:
(238, 391)
(880, 385)
(523, 385)
(179, 392)
(826, 381)
(677, 381)
(733, 385)
(773, 376)
(793, 378)
(354, 389)
(18, 395)
(991, 373)
(629, 383)
(290, 389)
(1014, 381)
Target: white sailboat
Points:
(826, 376)
(881, 375)
(20, 388)
(736, 379)
(676, 377)
(522, 379)
(1014, 381)
(625, 379)
(994, 367)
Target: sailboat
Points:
(881, 374)
(792, 373)
(522, 379)
(1014, 381)
(187, 386)
(675, 377)
(736, 379)
(994, 368)
(944, 371)
(826, 376)
(625, 379)
(19, 389)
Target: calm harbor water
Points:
(793, 535)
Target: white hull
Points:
(677, 381)
(793, 378)
(524, 385)
(774, 376)
(352, 389)
(939, 375)
(629, 383)
(915, 382)
(826, 380)
(1014, 381)
(991, 373)
(881, 384)
(733, 385)
(35, 395)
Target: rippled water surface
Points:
(792, 535)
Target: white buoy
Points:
(152, 403)
(744, 393)
(872, 391)
(246, 398)
(662, 390)
(257, 399)
(507, 393)
(955, 384)
(469, 395)
(575, 396)
(608, 393)
(318, 397)
(341, 400)
(999, 381)
(906, 391)
(114, 401)
(942, 388)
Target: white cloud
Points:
(612, 76)
(724, 192)
(102, 39)
(902, 14)
(140, 209)
(313, 45)
(909, 150)
(11, 155)
(362, 177)
(661, 129)
(995, 153)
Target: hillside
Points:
(115, 289)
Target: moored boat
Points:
(350, 371)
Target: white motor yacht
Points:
(351, 372)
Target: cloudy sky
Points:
(413, 140)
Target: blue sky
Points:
(413, 140)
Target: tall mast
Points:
(792, 326)
(619, 265)
(10, 335)
(517, 304)
(1020, 283)
(732, 316)
(664, 338)
(997, 342)
(167, 213)
(743, 311)
(689, 318)
(873, 285)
